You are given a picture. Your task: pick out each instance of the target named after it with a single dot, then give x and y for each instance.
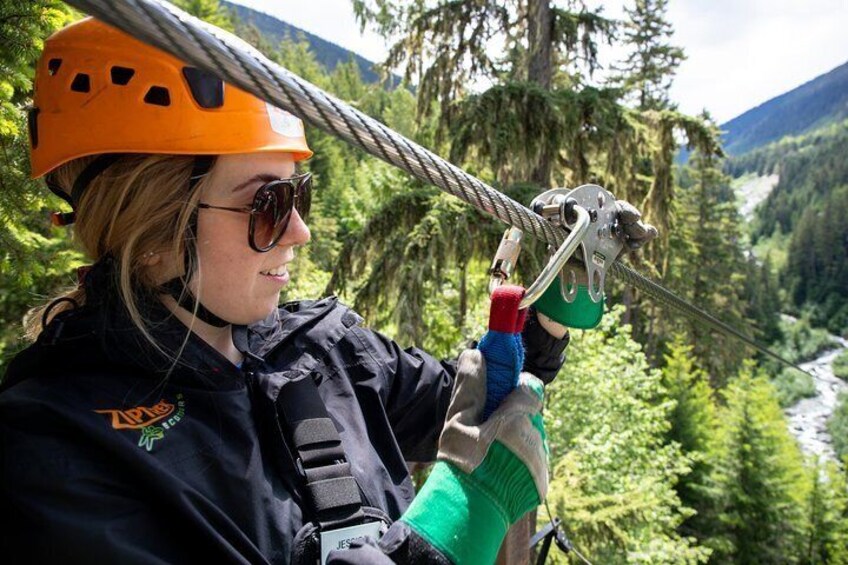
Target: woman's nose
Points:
(297, 232)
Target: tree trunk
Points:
(540, 70)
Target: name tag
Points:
(341, 538)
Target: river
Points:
(808, 418)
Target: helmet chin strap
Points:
(177, 289)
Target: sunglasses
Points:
(272, 209)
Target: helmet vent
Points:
(158, 96)
(206, 89)
(53, 66)
(121, 75)
(81, 83)
(32, 123)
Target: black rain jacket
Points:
(110, 452)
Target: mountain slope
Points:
(328, 54)
(816, 103)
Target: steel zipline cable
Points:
(168, 28)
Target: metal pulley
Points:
(590, 215)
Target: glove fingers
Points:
(469, 391)
(517, 424)
(460, 442)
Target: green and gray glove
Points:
(489, 473)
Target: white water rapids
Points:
(808, 418)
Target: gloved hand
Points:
(489, 473)
(545, 342)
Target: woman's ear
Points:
(151, 258)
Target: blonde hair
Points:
(140, 204)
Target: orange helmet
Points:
(99, 90)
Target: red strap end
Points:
(504, 315)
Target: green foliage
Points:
(761, 477)
(763, 297)
(817, 264)
(607, 418)
(825, 539)
(694, 422)
(838, 426)
(707, 265)
(801, 342)
(649, 68)
(810, 167)
(840, 365)
(210, 11)
(793, 385)
(802, 220)
(35, 259)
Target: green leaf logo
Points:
(149, 435)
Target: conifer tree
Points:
(708, 265)
(763, 298)
(761, 475)
(650, 67)
(694, 424)
(33, 256)
(609, 418)
(825, 539)
(210, 11)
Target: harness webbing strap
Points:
(332, 494)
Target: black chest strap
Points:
(331, 494)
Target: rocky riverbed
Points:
(808, 418)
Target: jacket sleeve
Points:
(418, 386)
(416, 393)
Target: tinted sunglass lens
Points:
(272, 209)
(265, 218)
(304, 197)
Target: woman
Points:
(169, 411)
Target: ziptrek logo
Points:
(165, 414)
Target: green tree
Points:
(608, 418)
(826, 536)
(694, 425)
(761, 475)
(650, 67)
(838, 426)
(35, 258)
(210, 11)
(541, 122)
(762, 295)
(707, 262)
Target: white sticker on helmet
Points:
(284, 123)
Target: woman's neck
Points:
(220, 338)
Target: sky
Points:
(740, 53)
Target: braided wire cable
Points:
(160, 24)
